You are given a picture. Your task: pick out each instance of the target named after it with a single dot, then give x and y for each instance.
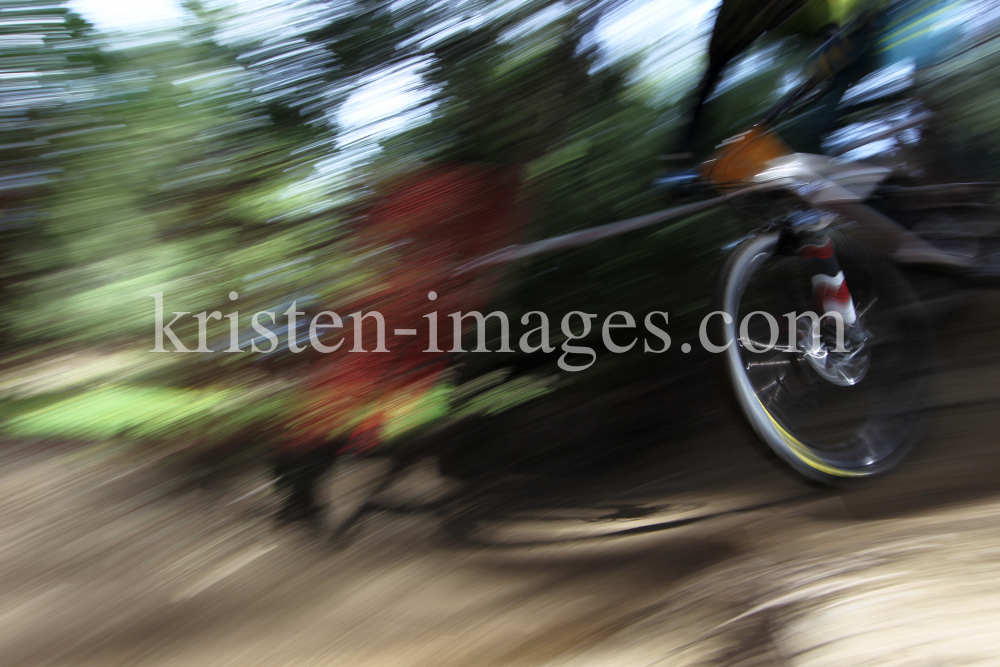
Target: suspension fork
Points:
(829, 285)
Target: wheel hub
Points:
(845, 367)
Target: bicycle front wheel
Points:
(831, 418)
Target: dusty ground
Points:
(682, 547)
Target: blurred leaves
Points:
(144, 413)
(964, 94)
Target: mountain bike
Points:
(823, 342)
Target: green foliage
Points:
(964, 94)
(143, 414)
(171, 180)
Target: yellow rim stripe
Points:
(803, 453)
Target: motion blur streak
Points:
(440, 505)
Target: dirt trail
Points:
(695, 553)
